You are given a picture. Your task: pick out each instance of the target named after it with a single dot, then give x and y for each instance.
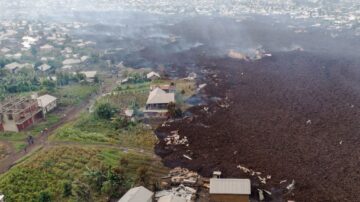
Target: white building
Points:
(2, 198)
(47, 103)
(153, 76)
(44, 67)
(137, 194)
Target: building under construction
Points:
(16, 114)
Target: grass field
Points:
(49, 169)
(89, 129)
(74, 94)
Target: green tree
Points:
(44, 196)
(105, 111)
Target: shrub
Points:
(105, 111)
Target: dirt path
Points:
(70, 114)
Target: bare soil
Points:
(294, 116)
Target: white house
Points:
(44, 67)
(47, 103)
(90, 75)
(153, 76)
(137, 194)
(2, 198)
(46, 47)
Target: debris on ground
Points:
(183, 176)
(188, 157)
(174, 139)
(181, 191)
(291, 186)
(254, 173)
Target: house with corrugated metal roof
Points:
(158, 101)
(137, 194)
(47, 103)
(230, 190)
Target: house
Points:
(15, 67)
(90, 75)
(153, 76)
(44, 67)
(137, 194)
(46, 47)
(230, 190)
(158, 101)
(47, 103)
(17, 114)
(167, 88)
(2, 198)
(71, 61)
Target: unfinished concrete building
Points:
(16, 114)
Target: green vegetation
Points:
(77, 173)
(105, 111)
(25, 80)
(74, 94)
(91, 129)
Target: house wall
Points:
(157, 106)
(9, 125)
(50, 107)
(25, 124)
(228, 198)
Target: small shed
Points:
(90, 75)
(153, 76)
(230, 190)
(44, 67)
(137, 194)
(47, 103)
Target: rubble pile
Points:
(174, 139)
(183, 176)
(184, 184)
(181, 191)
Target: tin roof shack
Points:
(230, 190)
(158, 101)
(19, 113)
(47, 103)
(137, 194)
(90, 75)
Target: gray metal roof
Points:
(230, 186)
(137, 194)
(158, 96)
